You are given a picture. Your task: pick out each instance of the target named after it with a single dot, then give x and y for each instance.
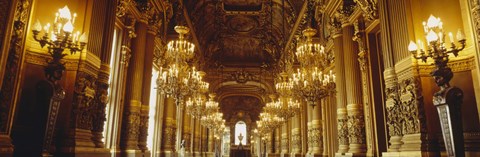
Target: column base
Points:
(314, 155)
(85, 152)
(350, 154)
(296, 155)
(6, 146)
(342, 149)
(78, 139)
(417, 143)
(411, 154)
(168, 154)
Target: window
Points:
(152, 111)
(240, 129)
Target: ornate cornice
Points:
(369, 8)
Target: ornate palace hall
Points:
(239, 78)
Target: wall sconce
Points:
(448, 99)
(59, 36)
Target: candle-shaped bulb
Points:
(432, 36)
(450, 36)
(37, 26)
(412, 46)
(68, 27)
(65, 13)
(460, 35)
(83, 38)
(433, 22)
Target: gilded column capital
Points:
(335, 27)
(344, 12)
(369, 8)
(122, 7)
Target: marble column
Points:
(131, 113)
(390, 77)
(284, 139)
(169, 127)
(355, 119)
(101, 98)
(296, 143)
(277, 139)
(310, 128)
(211, 140)
(187, 131)
(317, 131)
(337, 36)
(147, 88)
(196, 137)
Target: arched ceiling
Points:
(245, 39)
(241, 33)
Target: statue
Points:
(182, 148)
(240, 138)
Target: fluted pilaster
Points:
(317, 131)
(356, 123)
(296, 139)
(341, 90)
(132, 110)
(169, 126)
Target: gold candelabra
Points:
(59, 36)
(448, 100)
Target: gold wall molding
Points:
(41, 59)
(457, 65)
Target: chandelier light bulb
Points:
(412, 46)
(433, 22)
(65, 14)
(68, 27)
(432, 36)
(460, 35)
(37, 26)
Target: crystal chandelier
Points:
(312, 85)
(178, 82)
(268, 122)
(180, 49)
(309, 53)
(284, 86)
(211, 106)
(179, 79)
(195, 106)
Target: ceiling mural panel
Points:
(240, 107)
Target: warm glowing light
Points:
(432, 36)
(65, 13)
(412, 46)
(37, 26)
(68, 27)
(433, 22)
(460, 35)
(83, 38)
